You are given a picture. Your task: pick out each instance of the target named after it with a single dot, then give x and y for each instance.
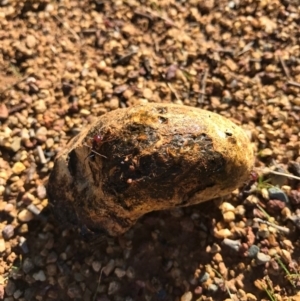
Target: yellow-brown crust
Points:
(153, 157)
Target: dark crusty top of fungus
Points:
(151, 157)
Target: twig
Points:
(245, 49)
(99, 281)
(17, 108)
(283, 174)
(151, 16)
(124, 57)
(292, 83)
(143, 14)
(284, 67)
(203, 87)
(173, 91)
(67, 27)
(263, 211)
(280, 228)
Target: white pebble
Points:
(39, 276)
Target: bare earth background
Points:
(63, 63)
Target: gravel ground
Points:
(63, 63)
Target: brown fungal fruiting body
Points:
(149, 157)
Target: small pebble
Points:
(252, 200)
(262, 258)
(228, 216)
(10, 288)
(225, 207)
(4, 113)
(130, 273)
(215, 248)
(171, 72)
(17, 294)
(9, 207)
(41, 192)
(51, 269)
(109, 267)
(252, 251)
(188, 296)
(276, 193)
(78, 277)
(30, 41)
(30, 293)
(240, 210)
(286, 255)
(114, 103)
(23, 244)
(74, 291)
(251, 297)
(28, 265)
(39, 276)
(113, 287)
(212, 288)
(263, 231)
(40, 106)
(2, 245)
(198, 290)
(218, 257)
(18, 168)
(294, 168)
(147, 93)
(222, 233)
(52, 257)
(204, 277)
(233, 244)
(276, 205)
(267, 152)
(8, 232)
(120, 272)
(85, 112)
(223, 269)
(25, 216)
(265, 193)
(33, 209)
(96, 265)
(23, 229)
(49, 143)
(41, 134)
(16, 144)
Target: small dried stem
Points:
(284, 174)
(124, 57)
(280, 228)
(173, 91)
(203, 87)
(245, 49)
(292, 83)
(284, 67)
